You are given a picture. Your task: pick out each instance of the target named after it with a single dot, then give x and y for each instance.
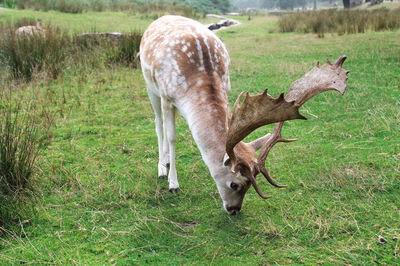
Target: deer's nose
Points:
(233, 210)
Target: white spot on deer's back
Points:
(182, 82)
(203, 98)
(216, 57)
(199, 82)
(205, 41)
(200, 52)
(174, 77)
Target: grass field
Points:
(97, 199)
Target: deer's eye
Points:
(234, 186)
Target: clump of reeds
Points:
(22, 133)
(108, 50)
(55, 50)
(125, 50)
(19, 147)
(25, 55)
(340, 21)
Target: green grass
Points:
(86, 22)
(98, 199)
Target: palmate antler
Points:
(262, 109)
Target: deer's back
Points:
(180, 55)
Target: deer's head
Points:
(259, 110)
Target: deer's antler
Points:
(262, 109)
(254, 112)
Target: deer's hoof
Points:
(162, 177)
(174, 190)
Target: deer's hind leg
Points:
(163, 154)
(168, 112)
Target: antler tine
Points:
(266, 175)
(275, 138)
(340, 61)
(258, 190)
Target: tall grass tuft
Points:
(55, 51)
(340, 21)
(125, 50)
(19, 147)
(22, 132)
(107, 49)
(25, 55)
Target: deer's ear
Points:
(227, 160)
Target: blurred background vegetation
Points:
(185, 7)
(201, 6)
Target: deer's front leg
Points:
(168, 111)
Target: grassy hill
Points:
(96, 198)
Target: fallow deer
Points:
(30, 30)
(185, 67)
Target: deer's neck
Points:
(206, 113)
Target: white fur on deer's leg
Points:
(156, 103)
(168, 111)
(165, 149)
(163, 162)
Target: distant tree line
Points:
(79, 6)
(208, 6)
(269, 4)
